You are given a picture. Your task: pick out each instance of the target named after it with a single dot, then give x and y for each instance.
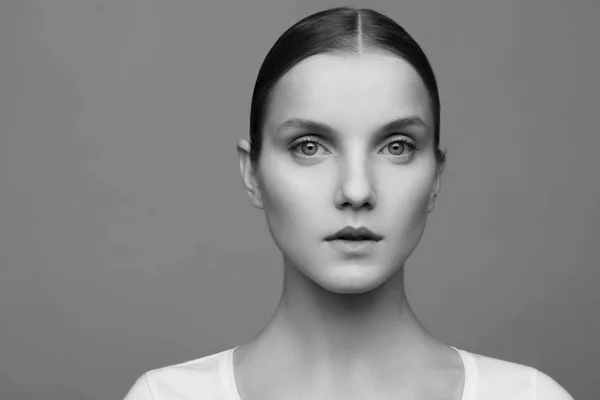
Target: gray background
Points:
(127, 241)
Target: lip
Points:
(354, 246)
(360, 234)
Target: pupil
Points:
(310, 152)
(397, 145)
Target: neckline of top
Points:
(469, 367)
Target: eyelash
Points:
(413, 147)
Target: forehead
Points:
(351, 92)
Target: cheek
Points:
(409, 200)
(290, 200)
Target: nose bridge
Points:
(356, 180)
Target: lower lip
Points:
(354, 246)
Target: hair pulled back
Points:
(334, 30)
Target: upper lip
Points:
(350, 233)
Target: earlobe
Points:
(248, 174)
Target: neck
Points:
(336, 330)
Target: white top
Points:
(212, 377)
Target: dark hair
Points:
(334, 30)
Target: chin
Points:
(353, 280)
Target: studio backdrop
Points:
(127, 241)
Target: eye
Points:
(401, 147)
(307, 146)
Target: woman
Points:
(344, 159)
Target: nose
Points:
(355, 187)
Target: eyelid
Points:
(307, 138)
(405, 139)
(319, 139)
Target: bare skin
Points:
(343, 327)
(409, 364)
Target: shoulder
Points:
(187, 380)
(549, 389)
(494, 378)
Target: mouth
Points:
(350, 234)
(351, 240)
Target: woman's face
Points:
(368, 160)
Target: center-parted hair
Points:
(342, 29)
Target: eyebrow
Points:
(319, 127)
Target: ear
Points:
(434, 191)
(249, 176)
